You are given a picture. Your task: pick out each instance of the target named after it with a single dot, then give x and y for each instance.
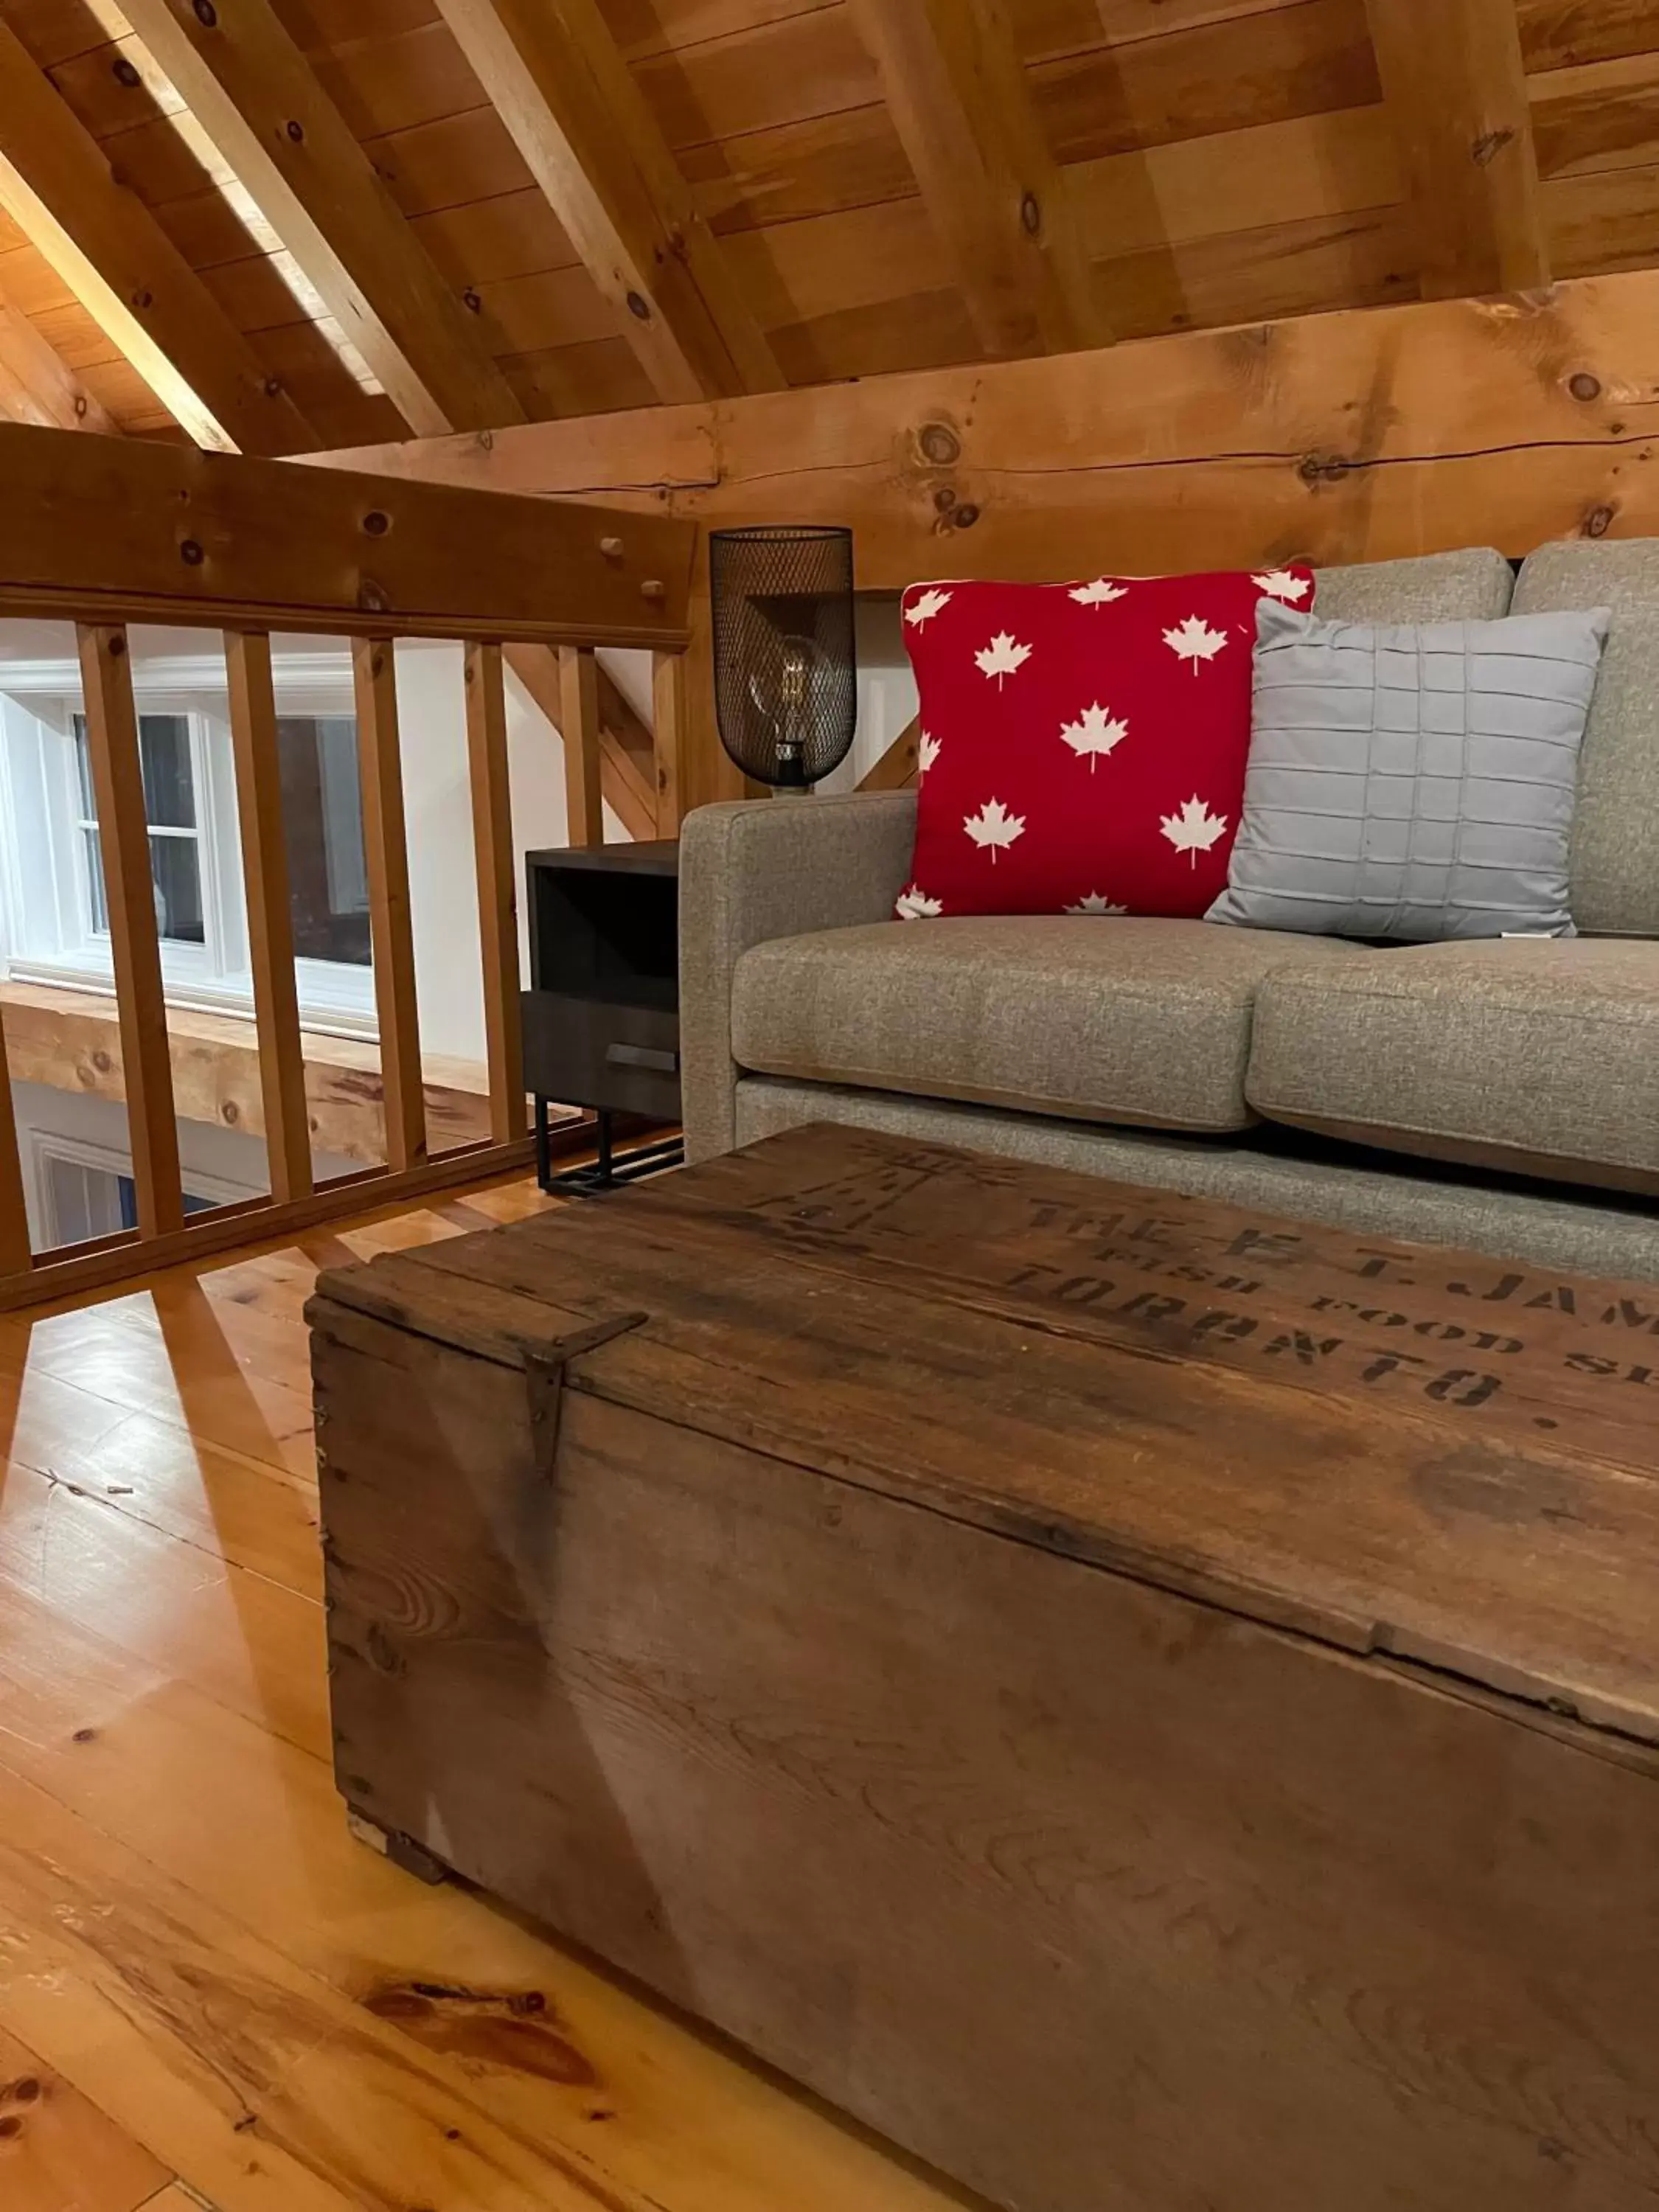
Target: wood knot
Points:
(125, 73)
(370, 599)
(638, 307)
(376, 522)
(296, 131)
(469, 299)
(1598, 521)
(1030, 214)
(940, 444)
(1322, 468)
(966, 515)
(1583, 386)
(207, 15)
(191, 553)
(86, 1735)
(1490, 145)
(945, 498)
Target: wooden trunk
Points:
(1154, 1708)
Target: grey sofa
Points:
(1502, 1095)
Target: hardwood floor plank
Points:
(164, 1745)
(58, 2153)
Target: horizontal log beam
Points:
(71, 1041)
(1340, 437)
(185, 535)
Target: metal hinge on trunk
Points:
(544, 1375)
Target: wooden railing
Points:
(104, 532)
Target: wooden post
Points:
(668, 701)
(578, 701)
(269, 912)
(15, 1258)
(898, 766)
(498, 905)
(129, 895)
(386, 853)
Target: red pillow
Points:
(1082, 745)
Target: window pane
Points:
(83, 770)
(175, 867)
(169, 783)
(96, 881)
(323, 821)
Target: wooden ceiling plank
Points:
(251, 90)
(1456, 93)
(957, 91)
(58, 187)
(38, 385)
(583, 127)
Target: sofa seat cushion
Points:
(1101, 1019)
(1540, 1055)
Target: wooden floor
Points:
(209, 1993)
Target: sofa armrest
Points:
(759, 869)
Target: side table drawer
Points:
(587, 1052)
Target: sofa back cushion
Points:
(1614, 864)
(1472, 585)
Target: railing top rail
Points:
(111, 530)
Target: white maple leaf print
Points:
(1194, 830)
(1093, 733)
(993, 825)
(1100, 593)
(923, 609)
(1194, 641)
(1097, 902)
(926, 753)
(1002, 658)
(914, 905)
(1279, 584)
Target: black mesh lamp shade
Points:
(785, 671)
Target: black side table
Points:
(601, 1018)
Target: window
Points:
(175, 856)
(84, 1199)
(323, 816)
(54, 910)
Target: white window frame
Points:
(215, 976)
(47, 1148)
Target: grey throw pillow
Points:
(1412, 783)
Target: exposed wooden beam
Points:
(253, 92)
(565, 93)
(157, 531)
(957, 91)
(38, 385)
(578, 720)
(627, 766)
(1336, 437)
(71, 1041)
(105, 244)
(1456, 93)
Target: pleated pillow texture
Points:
(1412, 783)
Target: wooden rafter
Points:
(105, 244)
(1456, 92)
(254, 93)
(957, 91)
(38, 385)
(565, 93)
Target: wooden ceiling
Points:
(514, 209)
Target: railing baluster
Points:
(14, 1255)
(269, 912)
(118, 786)
(579, 702)
(386, 853)
(498, 906)
(669, 721)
